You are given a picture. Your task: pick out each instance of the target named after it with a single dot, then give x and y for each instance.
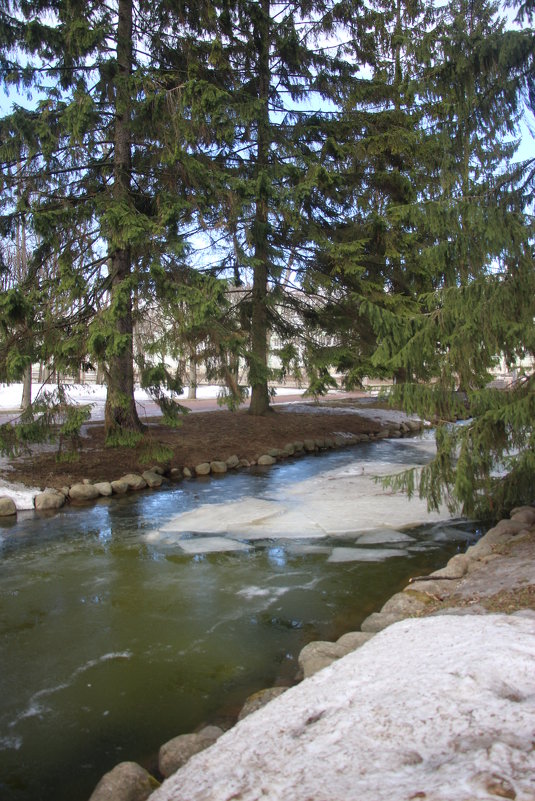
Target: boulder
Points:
(404, 604)
(309, 445)
(266, 459)
(354, 639)
(179, 750)
(260, 699)
(176, 474)
(127, 781)
(7, 506)
(218, 467)
(320, 443)
(49, 499)
(524, 514)
(134, 481)
(299, 446)
(83, 492)
(152, 479)
(276, 452)
(233, 461)
(317, 655)
(245, 463)
(156, 468)
(289, 449)
(202, 469)
(378, 621)
(104, 487)
(120, 487)
(187, 473)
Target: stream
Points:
(117, 637)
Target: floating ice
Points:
(382, 536)
(365, 554)
(199, 545)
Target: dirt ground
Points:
(201, 437)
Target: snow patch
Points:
(440, 707)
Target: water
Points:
(113, 643)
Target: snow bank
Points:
(440, 708)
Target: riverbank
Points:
(216, 440)
(438, 704)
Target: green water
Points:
(110, 646)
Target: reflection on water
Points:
(112, 644)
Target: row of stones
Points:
(128, 781)
(51, 499)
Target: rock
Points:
(309, 445)
(266, 459)
(404, 604)
(275, 452)
(299, 446)
(457, 567)
(354, 639)
(157, 469)
(245, 463)
(384, 434)
(289, 449)
(119, 487)
(218, 467)
(320, 443)
(104, 487)
(260, 699)
(127, 781)
(329, 442)
(187, 472)
(176, 474)
(49, 499)
(503, 531)
(152, 479)
(317, 655)
(378, 621)
(134, 481)
(232, 462)
(524, 514)
(83, 492)
(179, 750)
(7, 506)
(202, 469)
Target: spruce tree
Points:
(476, 242)
(105, 177)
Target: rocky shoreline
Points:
(86, 491)
(497, 574)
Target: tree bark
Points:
(121, 417)
(258, 361)
(192, 374)
(26, 388)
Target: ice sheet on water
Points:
(198, 545)
(365, 554)
(383, 536)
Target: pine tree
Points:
(267, 62)
(477, 243)
(105, 179)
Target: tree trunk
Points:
(192, 374)
(26, 388)
(258, 360)
(121, 418)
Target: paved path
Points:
(148, 408)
